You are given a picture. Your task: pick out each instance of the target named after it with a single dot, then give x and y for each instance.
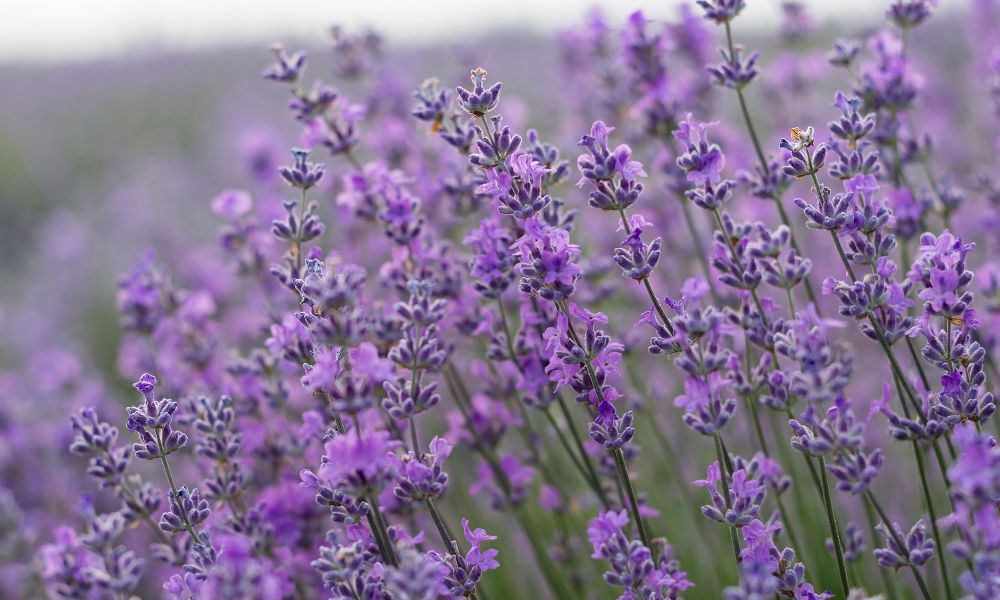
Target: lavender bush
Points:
(751, 354)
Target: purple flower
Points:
(702, 160)
(603, 527)
(547, 261)
(359, 460)
(479, 100)
(484, 560)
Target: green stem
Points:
(383, 529)
(834, 530)
(450, 543)
(939, 546)
(173, 487)
(726, 473)
(633, 503)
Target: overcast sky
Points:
(80, 30)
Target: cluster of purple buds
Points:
(97, 439)
(158, 416)
(573, 357)
(975, 489)
(301, 224)
(722, 11)
(344, 508)
(187, 509)
(92, 564)
(329, 119)
(746, 494)
(960, 399)
(915, 550)
(495, 144)
(422, 477)
(121, 570)
(517, 188)
(767, 572)
(547, 261)
(737, 268)
(400, 213)
(702, 161)
(221, 444)
(288, 68)
(941, 269)
(302, 174)
(783, 267)
(364, 191)
(556, 169)
(632, 565)
(335, 312)
(707, 406)
(432, 103)
(492, 264)
(610, 430)
(464, 572)
(802, 161)
(831, 212)
(735, 71)
(843, 53)
(841, 436)
(418, 575)
(931, 426)
(859, 298)
(312, 104)
(888, 85)
(145, 296)
(422, 347)
(636, 258)
(347, 562)
(613, 174)
(358, 462)
(770, 183)
(852, 125)
(907, 14)
(480, 100)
